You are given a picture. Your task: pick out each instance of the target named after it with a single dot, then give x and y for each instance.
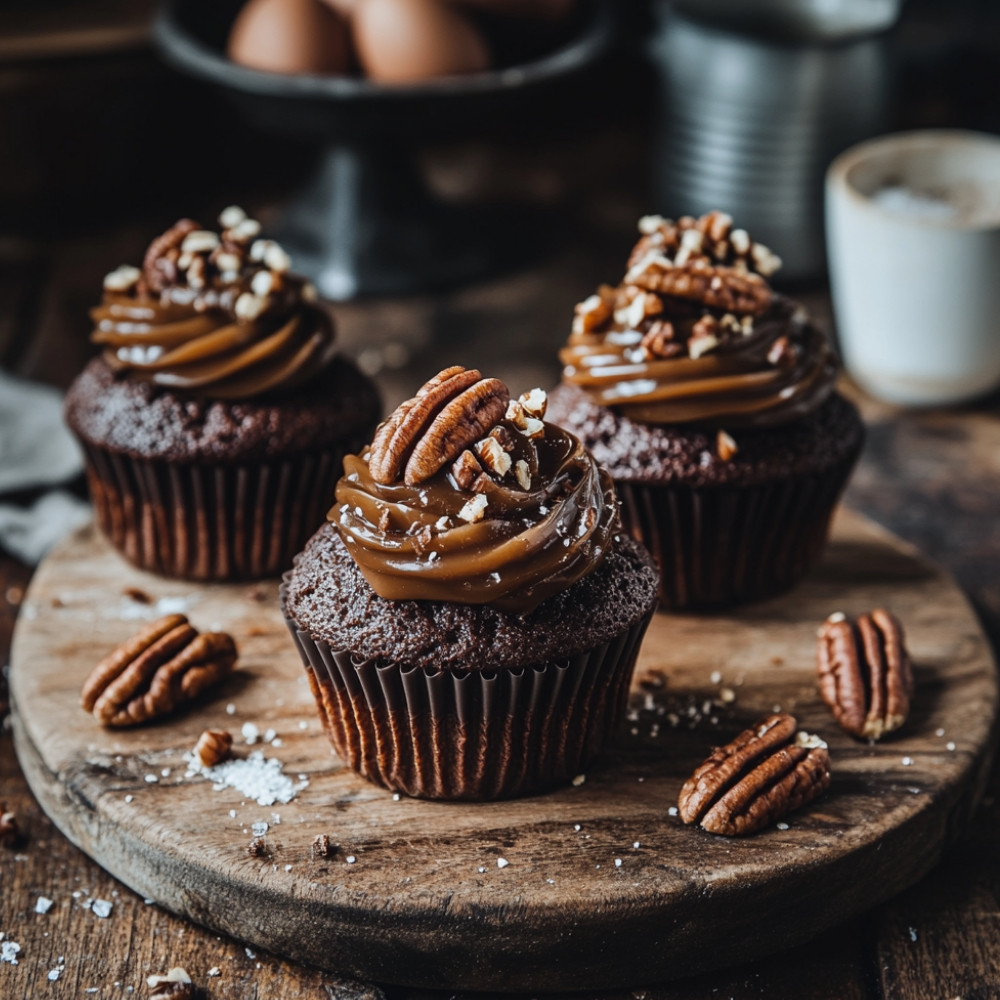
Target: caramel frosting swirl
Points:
(535, 515)
(694, 334)
(213, 315)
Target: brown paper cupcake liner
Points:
(718, 546)
(469, 734)
(210, 522)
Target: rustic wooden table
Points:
(931, 477)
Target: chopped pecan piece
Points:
(322, 846)
(10, 832)
(449, 413)
(466, 470)
(658, 341)
(213, 747)
(155, 671)
(764, 774)
(865, 673)
(175, 985)
(725, 446)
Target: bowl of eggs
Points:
(371, 82)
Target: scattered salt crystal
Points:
(230, 709)
(151, 779)
(256, 778)
(303, 724)
(579, 780)
(949, 746)
(259, 829)
(232, 814)
(481, 870)
(43, 904)
(350, 859)
(250, 954)
(288, 868)
(618, 862)
(214, 971)
(277, 742)
(396, 796)
(128, 799)
(269, 735)
(907, 761)
(165, 773)
(551, 881)
(101, 908)
(728, 695)
(716, 677)
(502, 862)
(8, 951)
(55, 973)
(672, 811)
(782, 826)
(577, 828)
(250, 732)
(636, 844)
(913, 933)
(939, 732)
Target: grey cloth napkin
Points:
(36, 450)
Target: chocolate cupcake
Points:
(710, 400)
(217, 416)
(470, 616)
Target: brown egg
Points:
(408, 41)
(290, 36)
(546, 10)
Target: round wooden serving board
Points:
(603, 887)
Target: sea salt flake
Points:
(230, 709)
(949, 746)
(43, 904)
(101, 908)
(672, 811)
(618, 862)
(8, 951)
(907, 761)
(716, 677)
(939, 732)
(129, 799)
(481, 870)
(251, 734)
(259, 829)
(55, 973)
(350, 859)
(214, 971)
(269, 735)
(151, 779)
(636, 844)
(577, 828)
(782, 826)
(256, 778)
(913, 933)
(502, 862)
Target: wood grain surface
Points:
(425, 902)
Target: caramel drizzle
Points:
(411, 543)
(206, 352)
(735, 384)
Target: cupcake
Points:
(470, 614)
(710, 400)
(217, 415)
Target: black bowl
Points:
(192, 36)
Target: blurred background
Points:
(451, 217)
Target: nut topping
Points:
(765, 773)
(865, 673)
(213, 747)
(713, 286)
(10, 832)
(155, 671)
(175, 985)
(449, 413)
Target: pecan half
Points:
(865, 673)
(449, 413)
(716, 287)
(155, 671)
(764, 774)
(159, 266)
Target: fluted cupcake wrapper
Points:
(719, 545)
(469, 734)
(211, 522)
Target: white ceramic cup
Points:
(913, 241)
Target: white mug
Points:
(913, 241)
